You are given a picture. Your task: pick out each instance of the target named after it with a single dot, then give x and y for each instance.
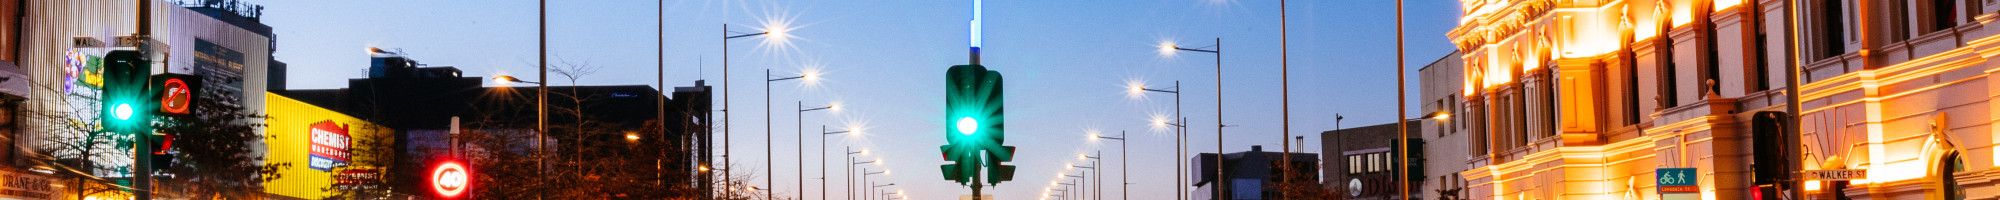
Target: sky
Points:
(1066, 63)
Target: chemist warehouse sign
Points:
(329, 145)
(321, 149)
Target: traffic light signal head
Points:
(124, 101)
(975, 123)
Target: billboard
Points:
(326, 149)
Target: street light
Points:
(809, 77)
(850, 170)
(822, 155)
(1136, 88)
(1124, 181)
(1095, 168)
(1169, 49)
(864, 179)
(769, 163)
(878, 187)
(726, 35)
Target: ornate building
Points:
(1584, 99)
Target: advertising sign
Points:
(329, 146)
(326, 149)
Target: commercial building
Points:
(422, 102)
(1587, 99)
(1361, 161)
(1251, 173)
(1444, 138)
(53, 51)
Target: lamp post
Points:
(878, 187)
(850, 170)
(802, 142)
(822, 159)
(726, 35)
(770, 165)
(1096, 167)
(864, 181)
(1402, 132)
(1180, 131)
(1069, 187)
(1222, 190)
(1124, 180)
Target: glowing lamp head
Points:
(123, 111)
(1167, 48)
(968, 126)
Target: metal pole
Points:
(822, 163)
(802, 149)
(1124, 178)
(142, 167)
(1180, 145)
(1402, 132)
(1222, 190)
(660, 78)
(770, 168)
(1792, 136)
(542, 97)
(726, 182)
(1099, 167)
(1285, 99)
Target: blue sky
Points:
(1066, 64)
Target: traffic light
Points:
(124, 102)
(175, 94)
(975, 133)
(160, 146)
(1767, 133)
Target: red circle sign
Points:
(450, 179)
(177, 96)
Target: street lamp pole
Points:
(802, 148)
(1222, 190)
(1124, 181)
(726, 126)
(1180, 135)
(770, 167)
(822, 159)
(850, 170)
(1402, 132)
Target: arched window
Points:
(1951, 165)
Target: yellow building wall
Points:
(289, 135)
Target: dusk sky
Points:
(1066, 65)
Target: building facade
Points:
(1252, 174)
(1444, 139)
(1361, 161)
(1583, 99)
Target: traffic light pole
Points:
(142, 167)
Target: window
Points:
(1353, 164)
(1899, 21)
(1940, 15)
(1952, 165)
(1832, 29)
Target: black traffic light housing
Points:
(124, 105)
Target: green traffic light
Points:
(123, 111)
(968, 126)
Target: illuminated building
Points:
(1584, 99)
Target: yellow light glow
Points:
(1135, 88)
(1812, 185)
(835, 107)
(810, 74)
(1160, 122)
(631, 137)
(1726, 4)
(1682, 15)
(1441, 116)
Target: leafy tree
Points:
(212, 150)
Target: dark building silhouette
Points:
(420, 102)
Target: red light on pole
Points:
(450, 179)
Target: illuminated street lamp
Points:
(1169, 49)
(726, 35)
(1136, 88)
(809, 77)
(768, 162)
(822, 155)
